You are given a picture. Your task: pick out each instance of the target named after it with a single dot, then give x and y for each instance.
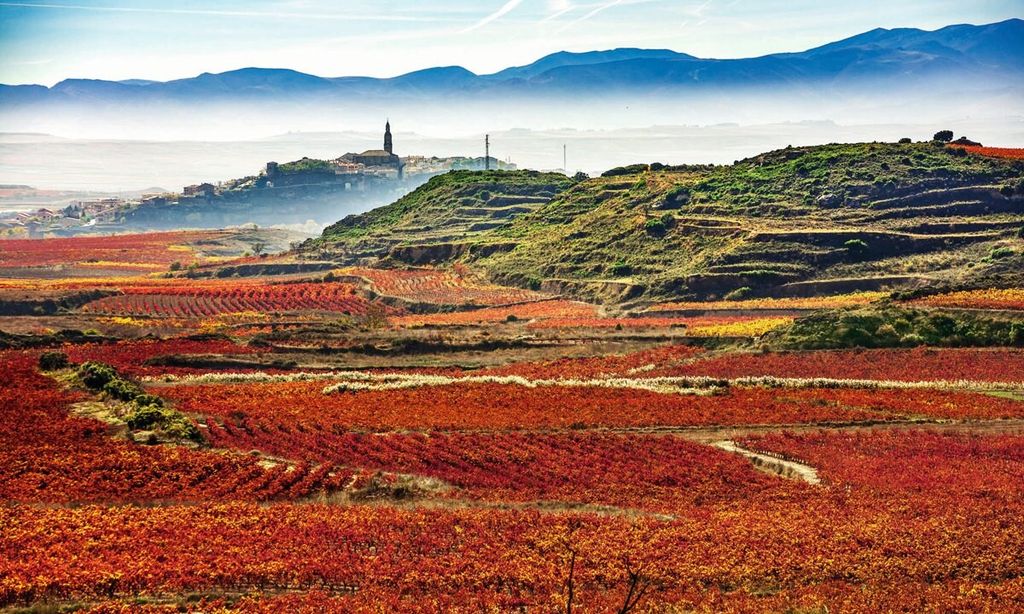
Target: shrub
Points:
(738, 294)
(51, 361)
(620, 268)
(175, 266)
(121, 389)
(905, 140)
(655, 227)
(580, 176)
(96, 375)
(856, 247)
(943, 136)
(676, 198)
(999, 253)
(144, 416)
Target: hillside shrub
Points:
(999, 253)
(631, 169)
(857, 248)
(943, 136)
(655, 227)
(905, 140)
(620, 269)
(96, 375)
(51, 361)
(738, 294)
(122, 389)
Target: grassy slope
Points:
(779, 218)
(456, 206)
(870, 215)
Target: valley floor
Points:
(304, 439)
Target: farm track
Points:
(772, 464)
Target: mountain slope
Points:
(798, 221)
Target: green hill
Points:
(797, 221)
(444, 215)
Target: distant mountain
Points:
(964, 55)
(567, 58)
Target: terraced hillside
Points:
(438, 220)
(794, 222)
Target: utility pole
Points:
(565, 167)
(487, 152)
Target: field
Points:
(305, 433)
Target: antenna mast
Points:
(565, 167)
(487, 152)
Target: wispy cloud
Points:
(560, 8)
(225, 13)
(498, 14)
(591, 13)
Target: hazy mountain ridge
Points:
(993, 51)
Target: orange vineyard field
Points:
(317, 439)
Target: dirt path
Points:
(710, 434)
(772, 464)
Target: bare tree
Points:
(639, 584)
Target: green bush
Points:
(655, 227)
(998, 253)
(943, 136)
(620, 268)
(96, 375)
(122, 390)
(738, 294)
(144, 416)
(51, 361)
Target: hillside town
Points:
(348, 176)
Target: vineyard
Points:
(992, 298)
(442, 288)
(995, 152)
(791, 384)
(148, 251)
(199, 300)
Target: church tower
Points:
(387, 137)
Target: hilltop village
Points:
(294, 192)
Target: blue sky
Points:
(44, 42)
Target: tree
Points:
(943, 136)
(258, 248)
(638, 584)
(580, 176)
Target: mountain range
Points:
(967, 55)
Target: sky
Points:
(45, 42)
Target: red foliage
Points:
(919, 364)
(200, 300)
(130, 356)
(285, 406)
(630, 364)
(990, 468)
(48, 455)
(130, 251)
(635, 471)
(443, 288)
(994, 152)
